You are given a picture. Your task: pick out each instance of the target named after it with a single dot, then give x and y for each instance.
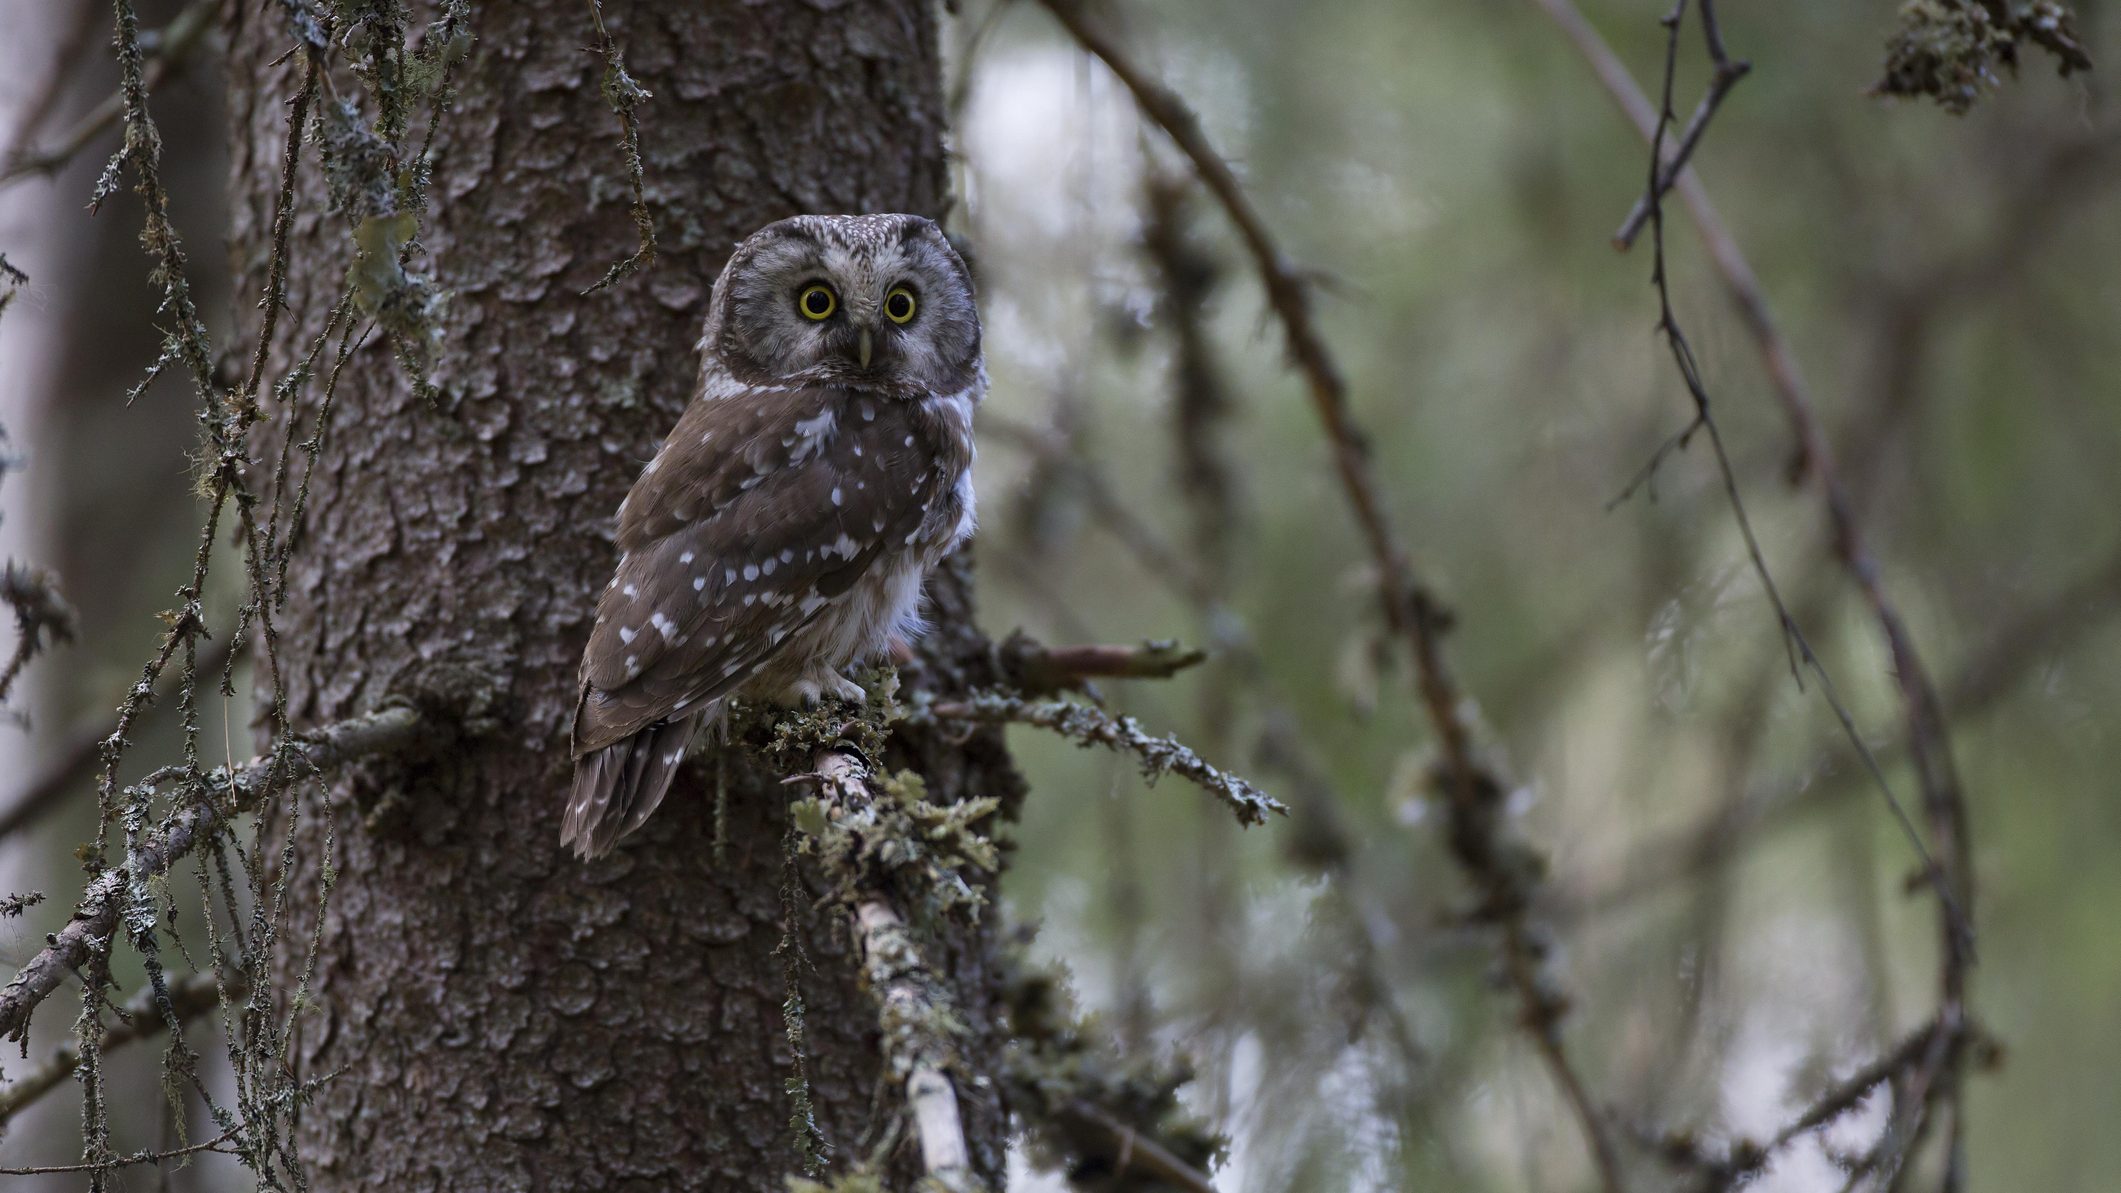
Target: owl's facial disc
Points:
(852, 299)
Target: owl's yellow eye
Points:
(899, 305)
(817, 302)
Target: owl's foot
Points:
(817, 684)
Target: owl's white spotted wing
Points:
(760, 510)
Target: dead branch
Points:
(1724, 75)
(1038, 670)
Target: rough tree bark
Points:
(499, 1015)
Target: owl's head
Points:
(863, 300)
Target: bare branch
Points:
(1037, 670)
(1928, 741)
(1724, 75)
(1943, 803)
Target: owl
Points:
(783, 530)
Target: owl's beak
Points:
(862, 347)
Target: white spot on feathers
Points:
(627, 634)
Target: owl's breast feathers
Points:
(759, 515)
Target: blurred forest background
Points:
(1725, 899)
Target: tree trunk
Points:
(499, 1015)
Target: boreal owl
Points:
(783, 530)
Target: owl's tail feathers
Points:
(617, 787)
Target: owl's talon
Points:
(815, 686)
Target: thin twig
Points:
(624, 95)
(76, 762)
(42, 617)
(1943, 803)
(1731, 264)
(1723, 75)
(1140, 1152)
(394, 730)
(1814, 457)
(174, 47)
(143, 1019)
(217, 1144)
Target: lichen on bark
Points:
(1954, 50)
